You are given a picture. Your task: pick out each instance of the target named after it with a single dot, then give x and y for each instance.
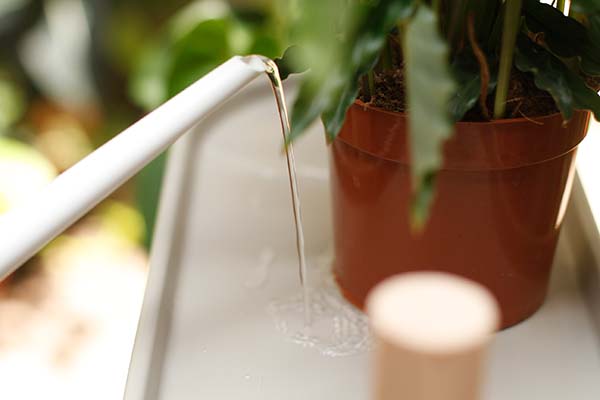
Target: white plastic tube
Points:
(26, 229)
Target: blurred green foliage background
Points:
(73, 73)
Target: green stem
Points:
(401, 30)
(512, 23)
(386, 55)
(561, 6)
(371, 78)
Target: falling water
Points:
(274, 77)
(331, 325)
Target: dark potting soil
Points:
(524, 98)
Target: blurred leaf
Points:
(265, 45)
(240, 37)
(201, 37)
(148, 186)
(430, 87)
(12, 104)
(586, 6)
(9, 6)
(567, 88)
(421, 202)
(196, 12)
(291, 62)
(148, 84)
(342, 42)
(125, 37)
(201, 50)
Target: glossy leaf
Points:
(566, 87)
(468, 79)
(430, 87)
(590, 11)
(564, 36)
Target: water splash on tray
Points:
(338, 328)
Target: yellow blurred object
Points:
(23, 172)
(123, 221)
(64, 141)
(12, 104)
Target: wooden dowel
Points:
(432, 330)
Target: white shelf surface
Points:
(204, 334)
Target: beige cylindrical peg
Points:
(432, 330)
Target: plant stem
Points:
(386, 55)
(512, 23)
(371, 79)
(561, 6)
(401, 26)
(483, 67)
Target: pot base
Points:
(505, 323)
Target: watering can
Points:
(27, 229)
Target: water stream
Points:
(320, 317)
(274, 77)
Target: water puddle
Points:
(338, 328)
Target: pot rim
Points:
(474, 146)
(482, 123)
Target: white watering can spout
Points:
(26, 229)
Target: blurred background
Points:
(73, 73)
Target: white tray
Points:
(204, 334)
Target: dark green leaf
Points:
(468, 78)
(586, 6)
(590, 60)
(564, 36)
(493, 43)
(567, 88)
(291, 62)
(485, 14)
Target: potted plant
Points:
(453, 127)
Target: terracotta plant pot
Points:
(501, 197)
